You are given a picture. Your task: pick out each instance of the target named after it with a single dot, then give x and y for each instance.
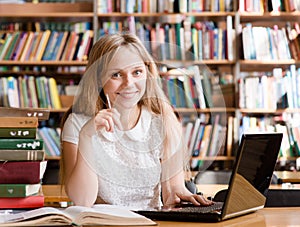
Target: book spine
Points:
(17, 190)
(29, 133)
(21, 172)
(41, 114)
(22, 155)
(19, 122)
(34, 201)
(21, 144)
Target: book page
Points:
(47, 214)
(106, 214)
(102, 210)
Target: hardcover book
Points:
(29, 202)
(22, 172)
(19, 122)
(7, 132)
(100, 214)
(21, 144)
(22, 155)
(19, 190)
(41, 114)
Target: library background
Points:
(228, 67)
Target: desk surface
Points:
(288, 176)
(264, 217)
(261, 218)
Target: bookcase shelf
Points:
(269, 16)
(253, 65)
(273, 114)
(210, 63)
(87, 12)
(56, 8)
(43, 63)
(269, 111)
(47, 11)
(210, 110)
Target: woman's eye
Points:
(138, 72)
(116, 75)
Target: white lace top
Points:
(127, 162)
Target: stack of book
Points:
(22, 163)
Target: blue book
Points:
(171, 91)
(49, 141)
(57, 44)
(50, 46)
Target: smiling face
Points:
(125, 79)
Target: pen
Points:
(108, 101)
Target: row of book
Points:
(288, 125)
(45, 45)
(187, 40)
(278, 89)
(188, 88)
(210, 135)
(51, 138)
(164, 6)
(38, 26)
(266, 43)
(260, 6)
(196, 41)
(29, 91)
(22, 163)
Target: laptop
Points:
(248, 185)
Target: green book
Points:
(12, 46)
(29, 133)
(22, 155)
(19, 190)
(21, 144)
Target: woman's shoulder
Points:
(78, 118)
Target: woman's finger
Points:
(104, 118)
(195, 199)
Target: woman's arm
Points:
(82, 187)
(81, 183)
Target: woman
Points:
(122, 143)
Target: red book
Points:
(22, 172)
(34, 201)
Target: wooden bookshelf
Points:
(87, 12)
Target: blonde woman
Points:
(121, 141)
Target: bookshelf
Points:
(275, 67)
(89, 12)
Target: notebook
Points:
(248, 186)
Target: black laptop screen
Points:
(260, 152)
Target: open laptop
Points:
(249, 182)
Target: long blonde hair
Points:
(89, 99)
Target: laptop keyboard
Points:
(216, 206)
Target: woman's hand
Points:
(108, 118)
(182, 194)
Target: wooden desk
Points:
(288, 176)
(261, 218)
(54, 195)
(286, 216)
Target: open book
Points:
(100, 214)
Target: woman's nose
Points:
(128, 79)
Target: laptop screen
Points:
(253, 170)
